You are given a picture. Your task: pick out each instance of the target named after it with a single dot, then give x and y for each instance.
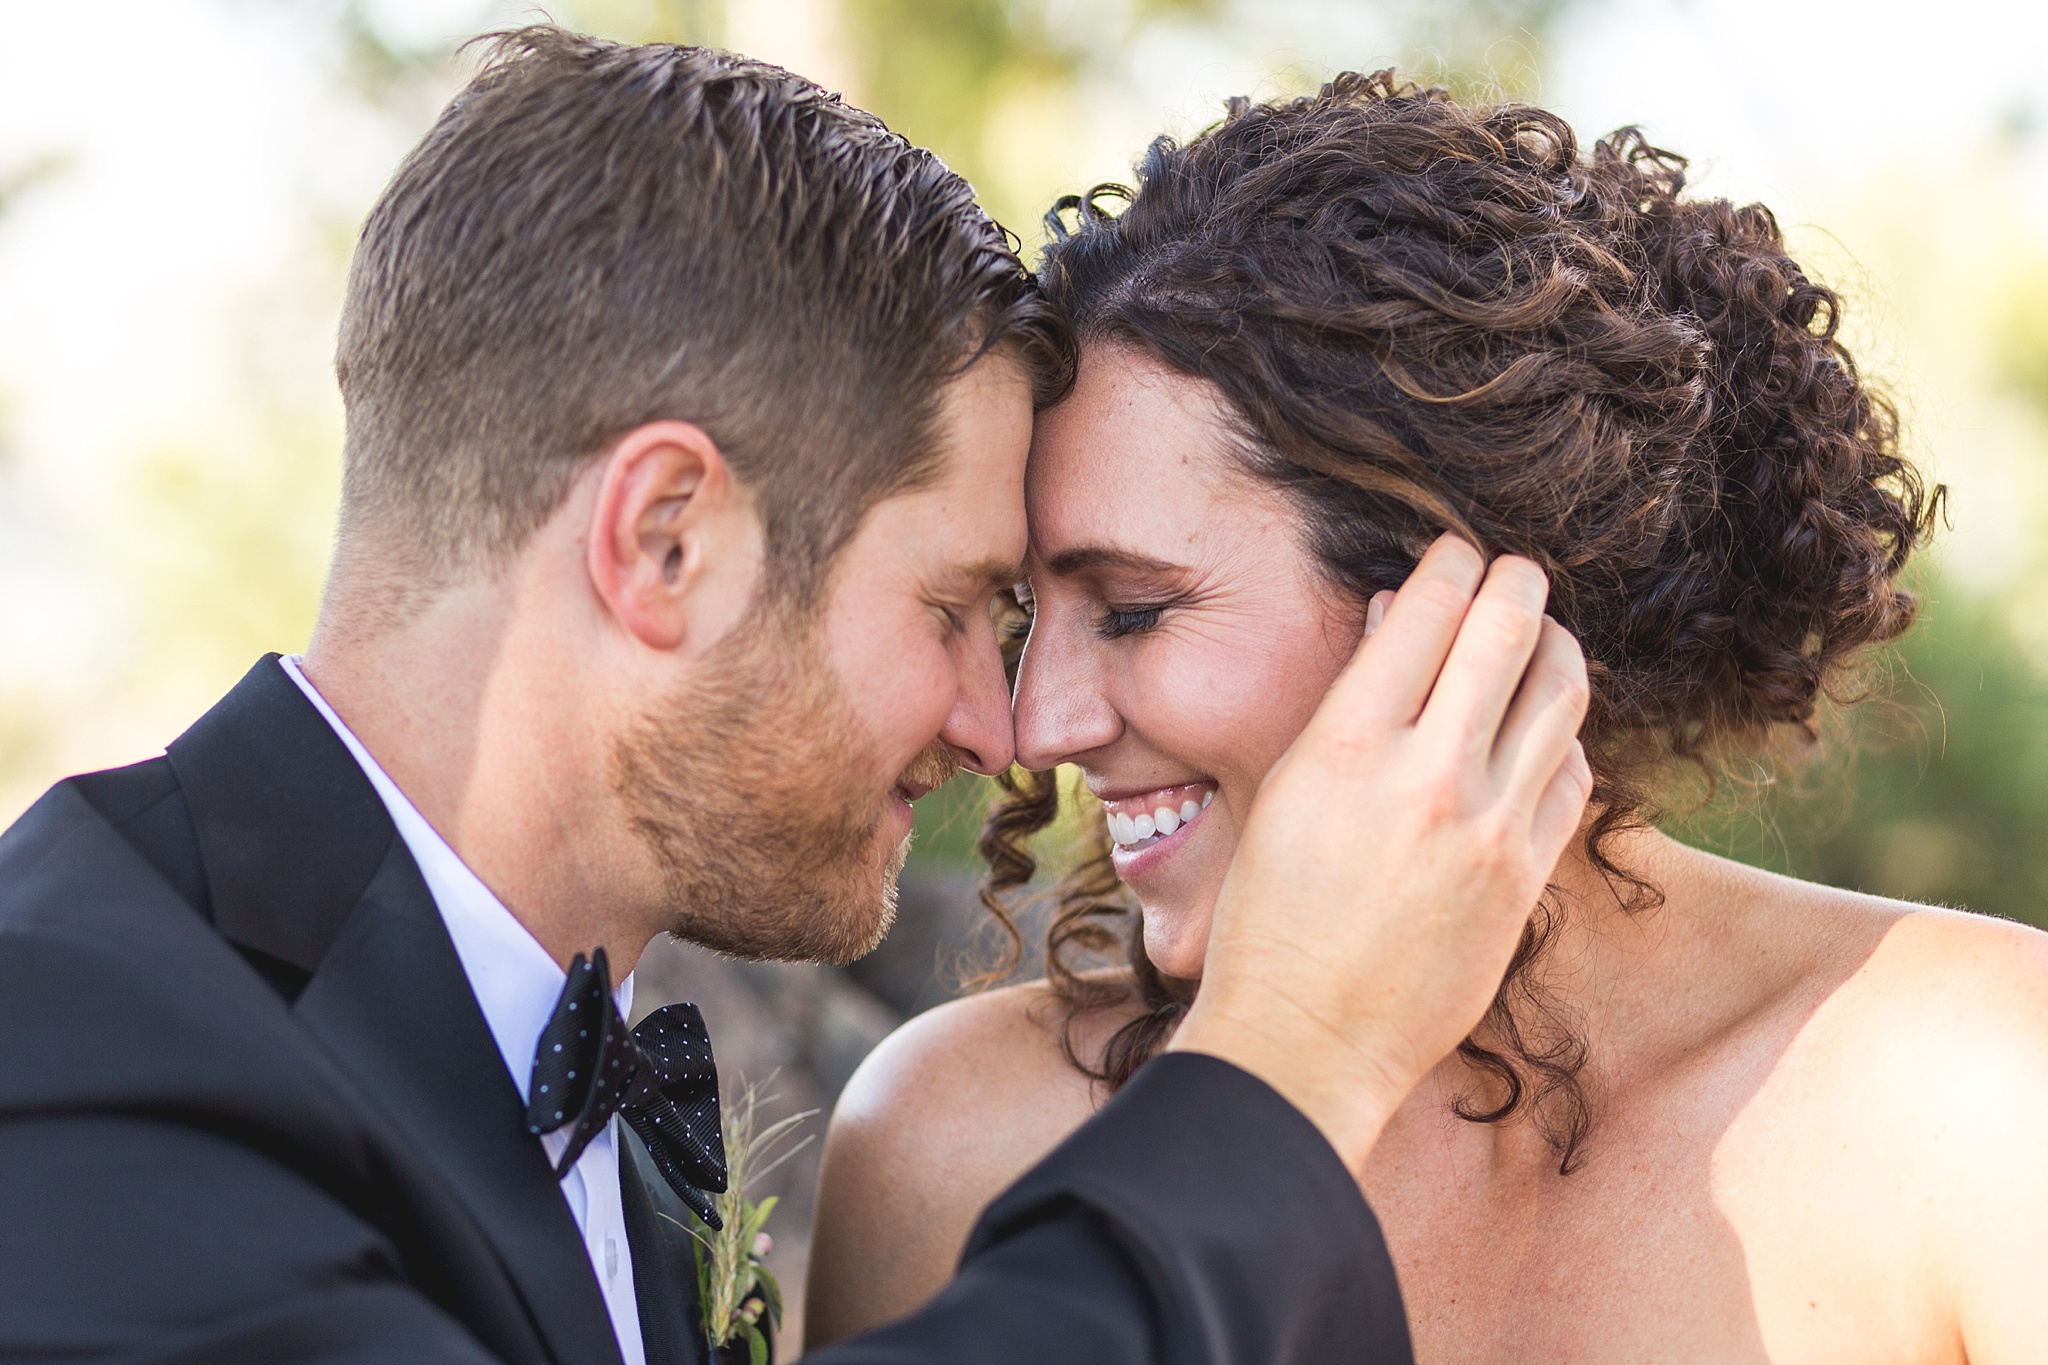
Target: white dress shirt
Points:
(516, 984)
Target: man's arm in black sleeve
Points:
(1198, 1218)
(137, 1240)
(178, 1181)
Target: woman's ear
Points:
(665, 491)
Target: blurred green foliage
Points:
(954, 75)
(949, 821)
(18, 179)
(1936, 789)
(238, 552)
(1483, 47)
(2022, 336)
(974, 79)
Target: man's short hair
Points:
(594, 236)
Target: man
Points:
(687, 413)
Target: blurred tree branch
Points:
(2023, 352)
(18, 181)
(1483, 47)
(995, 87)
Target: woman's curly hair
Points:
(1432, 316)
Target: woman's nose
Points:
(1060, 707)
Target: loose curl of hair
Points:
(1429, 316)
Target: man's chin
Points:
(799, 928)
(858, 944)
(864, 934)
(864, 929)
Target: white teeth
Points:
(1134, 831)
(1207, 797)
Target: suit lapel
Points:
(664, 1270)
(305, 866)
(290, 831)
(391, 1002)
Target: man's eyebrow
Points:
(989, 573)
(1106, 557)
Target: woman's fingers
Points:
(1540, 732)
(1387, 932)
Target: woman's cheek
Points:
(1227, 723)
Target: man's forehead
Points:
(986, 409)
(958, 536)
(973, 512)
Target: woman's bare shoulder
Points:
(1917, 1027)
(1886, 1093)
(943, 1116)
(1944, 1041)
(1932, 970)
(1958, 990)
(1896, 992)
(1886, 968)
(991, 1060)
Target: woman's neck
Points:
(1637, 974)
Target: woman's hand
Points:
(1399, 846)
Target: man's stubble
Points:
(761, 801)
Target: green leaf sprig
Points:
(734, 1287)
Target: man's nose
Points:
(979, 730)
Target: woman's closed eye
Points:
(1117, 622)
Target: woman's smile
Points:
(1147, 827)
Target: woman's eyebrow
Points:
(1107, 557)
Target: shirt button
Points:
(611, 1258)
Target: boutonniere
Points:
(737, 1292)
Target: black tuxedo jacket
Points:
(250, 1111)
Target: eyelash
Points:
(1114, 623)
(1117, 622)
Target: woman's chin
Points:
(1176, 945)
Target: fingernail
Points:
(1375, 612)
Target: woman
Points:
(1715, 1114)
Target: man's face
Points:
(774, 789)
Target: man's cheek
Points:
(907, 699)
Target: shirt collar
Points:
(514, 980)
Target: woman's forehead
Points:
(1137, 456)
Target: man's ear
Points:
(665, 496)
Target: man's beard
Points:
(758, 796)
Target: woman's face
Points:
(1181, 634)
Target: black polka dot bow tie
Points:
(659, 1077)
